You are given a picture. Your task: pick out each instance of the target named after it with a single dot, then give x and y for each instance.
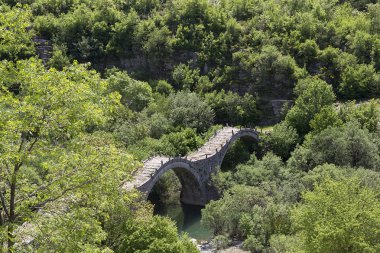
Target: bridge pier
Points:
(207, 193)
(188, 197)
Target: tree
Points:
(180, 143)
(327, 117)
(78, 197)
(163, 87)
(135, 94)
(231, 108)
(373, 12)
(255, 172)
(59, 59)
(313, 95)
(348, 145)
(282, 243)
(307, 52)
(244, 211)
(158, 44)
(16, 38)
(333, 62)
(270, 69)
(40, 158)
(361, 4)
(125, 28)
(185, 77)
(359, 81)
(339, 216)
(361, 45)
(187, 109)
(367, 114)
(317, 175)
(282, 140)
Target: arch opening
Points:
(239, 152)
(165, 192)
(182, 185)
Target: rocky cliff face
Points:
(44, 48)
(140, 66)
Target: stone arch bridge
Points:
(194, 170)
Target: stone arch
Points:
(192, 191)
(194, 171)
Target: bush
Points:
(155, 235)
(255, 172)
(59, 59)
(243, 210)
(185, 77)
(252, 244)
(366, 114)
(220, 242)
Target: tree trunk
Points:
(1, 225)
(12, 215)
(10, 238)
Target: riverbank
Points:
(207, 248)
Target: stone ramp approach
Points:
(194, 170)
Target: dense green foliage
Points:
(122, 80)
(16, 40)
(261, 46)
(260, 205)
(339, 216)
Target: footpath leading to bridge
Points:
(194, 170)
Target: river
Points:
(187, 218)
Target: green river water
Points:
(187, 218)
